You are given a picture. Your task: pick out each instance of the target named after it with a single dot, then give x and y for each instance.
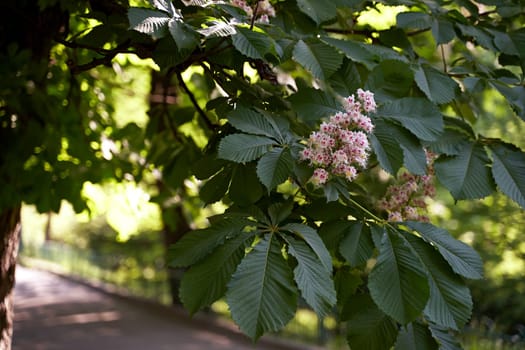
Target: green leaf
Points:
(508, 169)
(218, 28)
(355, 51)
(205, 282)
(387, 149)
(346, 281)
(347, 79)
(397, 282)
(415, 336)
(514, 96)
(319, 11)
(318, 58)
(261, 294)
(467, 175)
(151, 22)
(314, 281)
(413, 20)
(183, 35)
(464, 260)
(245, 188)
(418, 115)
(394, 138)
(390, 79)
(450, 303)
(438, 87)
(253, 44)
(311, 237)
(311, 105)
(445, 338)
(275, 167)
(451, 143)
(280, 211)
(252, 122)
(368, 328)
(215, 188)
(442, 30)
(166, 6)
(195, 245)
(356, 246)
(242, 148)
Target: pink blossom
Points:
(320, 176)
(341, 144)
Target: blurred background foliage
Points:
(118, 238)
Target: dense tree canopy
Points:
(321, 126)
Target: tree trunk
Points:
(171, 235)
(9, 236)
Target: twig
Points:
(193, 100)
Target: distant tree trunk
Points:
(47, 233)
(174, 221)
(172, 233)
(9, 237)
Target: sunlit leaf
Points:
(151, 22)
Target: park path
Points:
(57, 313)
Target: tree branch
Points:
(193, 100)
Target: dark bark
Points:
(9, 238)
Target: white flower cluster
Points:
(341, 144)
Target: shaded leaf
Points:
(318, 58)
(418, 115)
(275, 167)
(252, 43)
(314, 281)
(368, 328)
(312, 104)
(450, 303)
(467, 175)
(242, 148)
(261, 294)
(464, 260)
(319, 11)
(245, 187)
(206, 281)
(356, 246)
(445, 338)
(252, 122)
(415, 336)
(397, 283)
(438, 87)
(508, 169)
(195, 245)
(311, 237)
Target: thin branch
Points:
(443, 58)
(193, 100)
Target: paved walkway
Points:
(55, 313)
